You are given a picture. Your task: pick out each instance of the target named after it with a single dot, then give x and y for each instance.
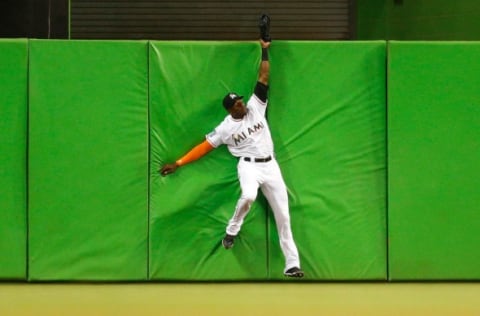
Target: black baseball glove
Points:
(264, 25)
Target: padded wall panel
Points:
(433, 120)
(88, 160)
(191, 208)
(327, 115)
(13, 149)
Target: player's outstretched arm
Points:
(264, 71)
(195, 153)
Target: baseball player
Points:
(246, 133)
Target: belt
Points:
(266, 159)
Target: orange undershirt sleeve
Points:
(197, 152)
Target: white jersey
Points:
(246, 137)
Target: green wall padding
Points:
(190, 209)
(329, 133)
(433, 148)
(327, 115)
(13, 148)
(88, 160)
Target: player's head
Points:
(233, 103)
(230, 99)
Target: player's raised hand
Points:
(264, 44)
(168, 169)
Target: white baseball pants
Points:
(268, 177)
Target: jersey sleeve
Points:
(215, 137)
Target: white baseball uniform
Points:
(249, 139)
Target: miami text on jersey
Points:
(240, 137)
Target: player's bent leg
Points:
(235, 224)
(249, 187)
(241, 210)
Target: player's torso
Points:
(249, 136)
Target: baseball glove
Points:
(264, 25)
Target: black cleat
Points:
(294, 273)
(227, 241)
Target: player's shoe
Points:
(227, 241)
(294, 272)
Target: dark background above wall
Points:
(177, 20)
(34, 18)
(237, 20)
(211, 19)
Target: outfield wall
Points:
(103, 116)
(13, 158)
(330, 145)
(88, 160)
(434, 150)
